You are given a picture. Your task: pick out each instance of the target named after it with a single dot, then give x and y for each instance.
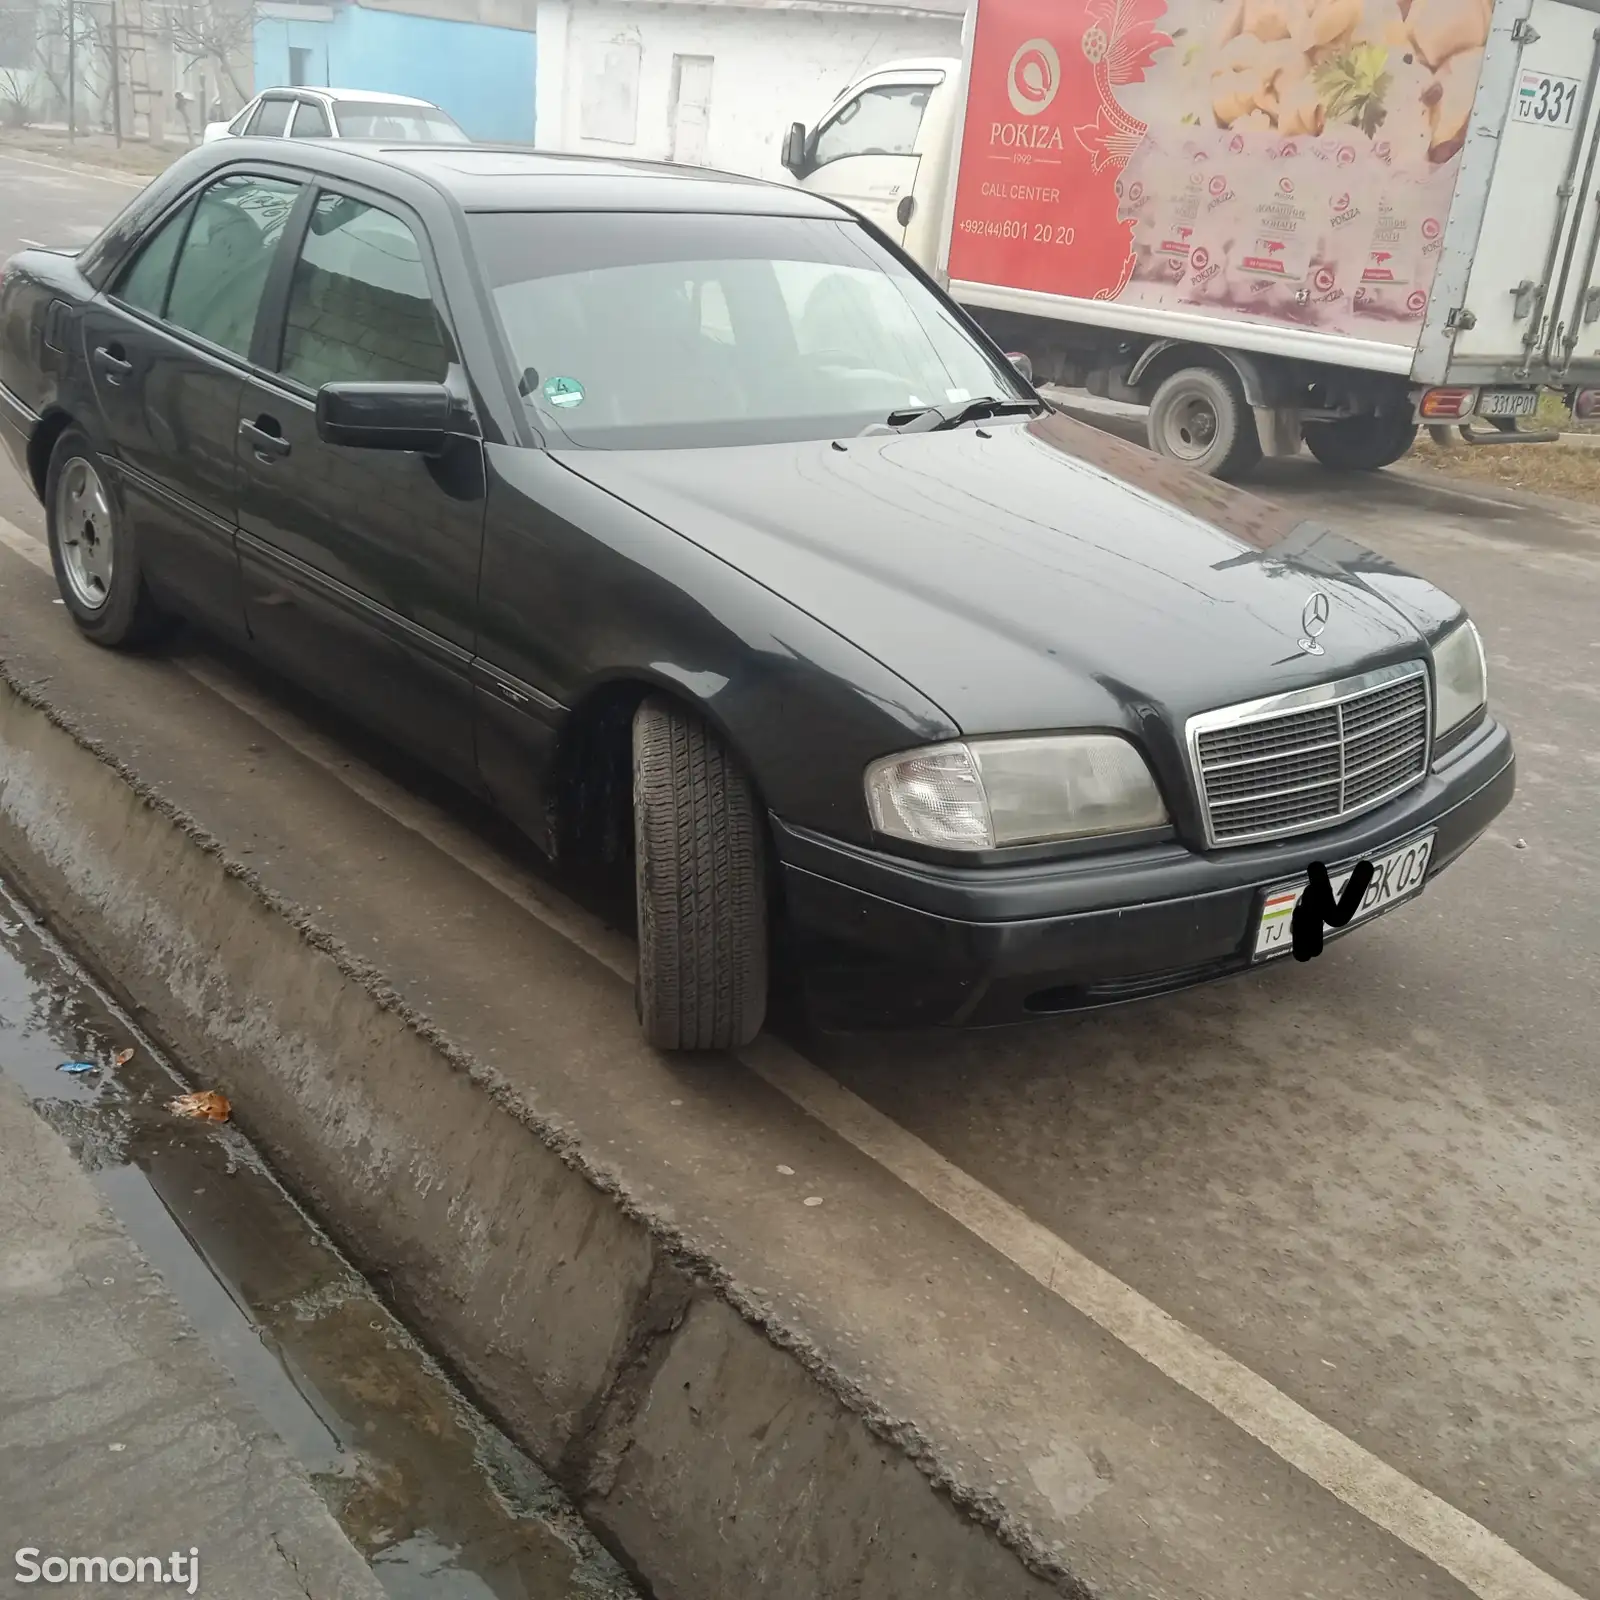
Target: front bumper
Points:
(882, 941)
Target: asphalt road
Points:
(1373, 1179)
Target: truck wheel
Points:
(700, 880)
(92, 551)
(1199, 416)
(1361, 444)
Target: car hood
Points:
(1039, 575)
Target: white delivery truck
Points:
(1267, 220)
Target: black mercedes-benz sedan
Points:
(683, 518)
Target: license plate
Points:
(1508, 403)
(1396, 876)
(1545, 98)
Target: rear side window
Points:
(222, 267)
(272, 119)
(311, 122)
(360, 310)
(144, 285)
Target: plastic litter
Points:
(76, 1067)
(122, 1057)
(206, 1104)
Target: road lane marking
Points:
(77, 169)
(1480, 1559)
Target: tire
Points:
(1199, 416)
(700, 882)
(92, 551)
(1361, 444)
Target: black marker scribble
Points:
(1317, 906)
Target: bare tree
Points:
(16, 97)
(218, 32)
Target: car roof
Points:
(485, 177)
(374, 96)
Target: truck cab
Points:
(885, 147)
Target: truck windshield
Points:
(667, 330)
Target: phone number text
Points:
(1033, 232)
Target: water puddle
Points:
(443, 1506)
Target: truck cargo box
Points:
(1400, 186)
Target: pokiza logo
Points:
(1034, 78)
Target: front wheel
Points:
(700, 882)
(1199, 415)
(96, 565)
(1361, 444)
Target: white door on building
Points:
(864, 152)
(690, 110)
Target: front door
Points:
(360, 567)
(167, 349)
(865, 153)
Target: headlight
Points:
(980, 794)
(1461, 676)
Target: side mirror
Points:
(1022, 363)
(794, 148)
(384, 416)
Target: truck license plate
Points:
(1396, 876)
(1546, 99)
(1508, 402)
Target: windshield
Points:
(362, 119)
(652, 330)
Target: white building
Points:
(714, 83)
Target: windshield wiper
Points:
(930, 419)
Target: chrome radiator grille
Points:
(1303, 760)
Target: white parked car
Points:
(315, 113)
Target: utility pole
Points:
(72, 71)
(116, 77)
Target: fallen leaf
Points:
(207, 1103)
(122, 1057)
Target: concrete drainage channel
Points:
(718, 1450)
(438, 1501)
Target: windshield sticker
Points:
(563, 392)
(957, 394)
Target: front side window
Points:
(360, 310)
(878, 122)
(144, 284)
(272, 119)
(360, 119)
(222, 268)
(311, 121)
(242, 121)
(663, 330)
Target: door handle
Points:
(264, 438)
(108, 358)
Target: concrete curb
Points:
(629, 1364)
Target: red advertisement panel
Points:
(1274, 160)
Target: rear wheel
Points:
(92, 551)
(1199, 415)
(1361, 444)
(700, 881)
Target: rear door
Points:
(865, 151)
(168, 347)
(1527, 281)
(360, 567)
